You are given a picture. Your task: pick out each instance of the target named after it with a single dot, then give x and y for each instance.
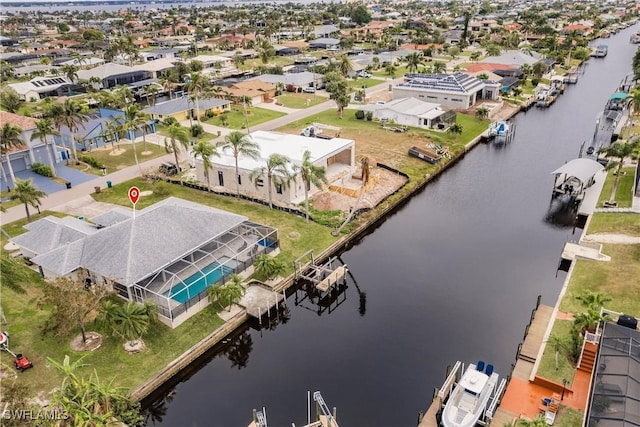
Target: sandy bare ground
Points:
(381, 184)
(612, 238)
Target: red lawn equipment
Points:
(20, 361)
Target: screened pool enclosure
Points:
(185, 282)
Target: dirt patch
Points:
(117, 152)
(93, 342)
(381, 184)
(133, 347)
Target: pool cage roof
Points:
(224, 251)
(615, 396)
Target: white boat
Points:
(501, 131)
(470, 397)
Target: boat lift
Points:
(322, 285)
(452, 379)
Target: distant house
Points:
(485, 25)
(256, 90)
(170, 255)
(158, 68)
(111, 75)
(326, 31)
(182, 108)
(459, 91)
(336, 155)
(287, 51)
(514, 58)
(155, 54)
(412, 112)
(21, 157)
(296, 80)
(28, 69)
(324, 43)
(41, 87)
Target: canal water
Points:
(452, 275)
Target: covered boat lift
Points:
(574, 178)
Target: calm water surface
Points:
(453, 275)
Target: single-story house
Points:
(326, 31)
(157, 68)
(21, 157)
(458, 91)
(324, 43)
(336, 155)
(112, 75)
(304, 79)
(287, 51)
(182, 108)
(257, 90)
(41, 87)
(170, 254)
(216, 64)
(82, 62)
(515, 58)
(162, 53)
(412, 112)
(28, 69)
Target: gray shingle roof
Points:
(183, 104)
(133, 249)
(113, 216)
(51, 232)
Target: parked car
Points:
(309, 89)
(364, 74)
(168, 168)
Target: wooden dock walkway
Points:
(535, 334)
(332, 279)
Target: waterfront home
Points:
(42, 87)
(458, 91)
(111, 75)
(515, 58)
(412, 112)
(158, 68)
(336, 155)
(183, 108)
(21, 157)
(169, 254)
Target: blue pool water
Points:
(196, 283)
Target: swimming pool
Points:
(196, 283)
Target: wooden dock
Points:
(332, 279)
(535, 333)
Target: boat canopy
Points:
(474, 381)
(619, 95)
(582, 169)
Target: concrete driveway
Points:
(75, 177)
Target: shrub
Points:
(196, 130)
(170, 121)
(161, 188)
(369, 116)
(209, 114)
(41, 169)
(92, 161)
(359, 115)
(535, 81)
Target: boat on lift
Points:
(470, 397)
(501, 131)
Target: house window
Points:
(220, 178)
(259, 182)
(279, 188)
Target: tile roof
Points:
(24, 123)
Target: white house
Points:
(41, 87)
(336, 155)
(412, 112)
(459, 91)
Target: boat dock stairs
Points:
(431, 417)
(324, 417)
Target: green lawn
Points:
(122, 160)
(296, 236)
(568, 417)
(617, 278)
(624, 192)
(547, 368)
(8, 203)
(364, 81)
(623, 223)
(299, 100)
(398, 72)
(236, 118)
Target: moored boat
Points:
(501, 131)
(470, 397)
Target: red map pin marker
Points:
(134, 195)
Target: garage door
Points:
(17, 163)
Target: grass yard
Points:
(609, 222)
(123, 160)
(364, 81)
(568, 417)
(547, 368)
(296, 236)
(617, 278)
(235, 118)
(624, 192)
(299, 100)
(8, 203)
(26, 316)
(390, 147)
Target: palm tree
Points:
(455, 130)
(390, 68)
(197, 86)
(130, 320)
(310, 174)
(635, 96)
(44, 128)
(268, 267)
(204, 149)
(69, 114)
(345, 65)
(177, 137)
(27, 194)
(413, 61)
(482, 113)
(9, 138)
(558, 343)
(439, 67)
(276, 171)
(70, 71)
(228, 294)
(619, 150)
(593, 300)
(538, 421)
(239, 144)
(265, 51)
(135, 119)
